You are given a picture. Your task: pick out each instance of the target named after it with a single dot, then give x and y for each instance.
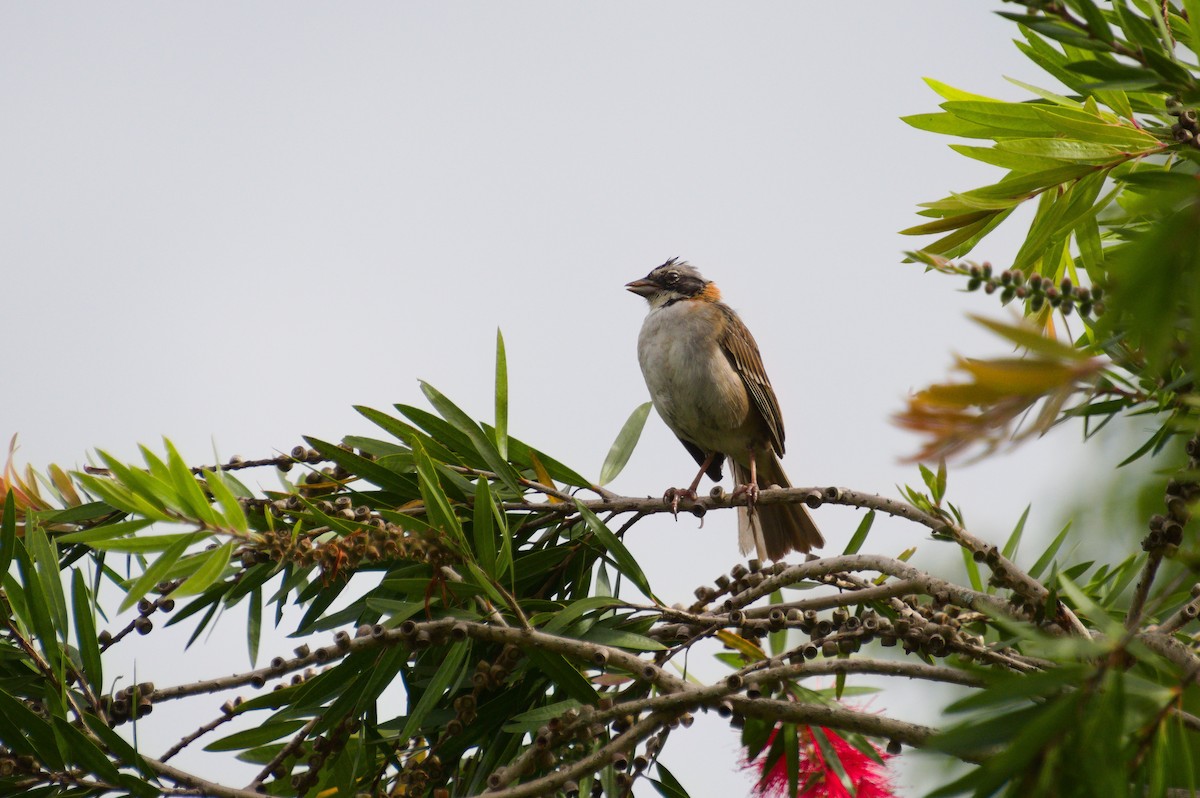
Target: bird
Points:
(707, 383)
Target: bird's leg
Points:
(673, 495)
(750, 488)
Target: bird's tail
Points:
(775, 529)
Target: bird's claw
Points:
(750, 490)
(673, 495)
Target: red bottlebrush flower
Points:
(818, 775)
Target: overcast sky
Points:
(227, 223)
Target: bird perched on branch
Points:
(707, 382)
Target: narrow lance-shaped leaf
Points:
(447, 674)
(155, 572)
(501, 428)
(621, 555)
(860, 534)
(85, 631)
(36, 602)
(8, 532)
(211, 569)
(189, 489)
(437, 504)
(622, 448)
(483, 528)
(254, 624)
(45, 557)
(479, 440)
(78, 749)
(231, 509)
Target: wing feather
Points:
(742, 351)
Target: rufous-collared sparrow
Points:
(707, 382)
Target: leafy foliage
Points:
(492, 581)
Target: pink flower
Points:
(819, 778)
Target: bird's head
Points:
(673, 281)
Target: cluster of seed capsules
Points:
(422, 764)
(135, 701)
(377, 541)
(1040, 291)
(574, 733)
(929, 625)
(16, 765)
(1187, 124)
(1167, 530)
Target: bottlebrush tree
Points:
(491, 580)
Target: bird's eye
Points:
(672, 277)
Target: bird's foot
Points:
(673, 495)
(750, 490)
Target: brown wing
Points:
(742, 352)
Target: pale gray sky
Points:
(226, 223)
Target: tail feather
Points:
(776, 529)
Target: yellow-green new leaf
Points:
(155, 573)
(193, 498)
(211, 569)
(1066, 150)
(231, 508)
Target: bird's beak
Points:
(642, 287)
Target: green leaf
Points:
(81, 751)
(148, 543)
(948, 125)
(105, 532)
(1067, 150)
(860, 534)
(483, 445)
(34, 601)
(501, 428)
(256, 736)
(437, 504)
(1193, 16)
(562, 619)
(120, 497)
(32, 728)
(193, 498)
(210, 570)
(1014, 540)
(948, 92)
(625, 561)
(1006, 119)
(373, 472)
(1006, 160)
(1085, 126)
(668, 786)
(448, 674)
(972, 571)
(483, 528)
(1094, 18)
(45, 557)
(623, 446)
(155, 572)
(255, 624)
(1050, 552)
(618, 638)
(529, 721)
(564, 674)
(231, 509)
(85, 631)
(8, 532)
